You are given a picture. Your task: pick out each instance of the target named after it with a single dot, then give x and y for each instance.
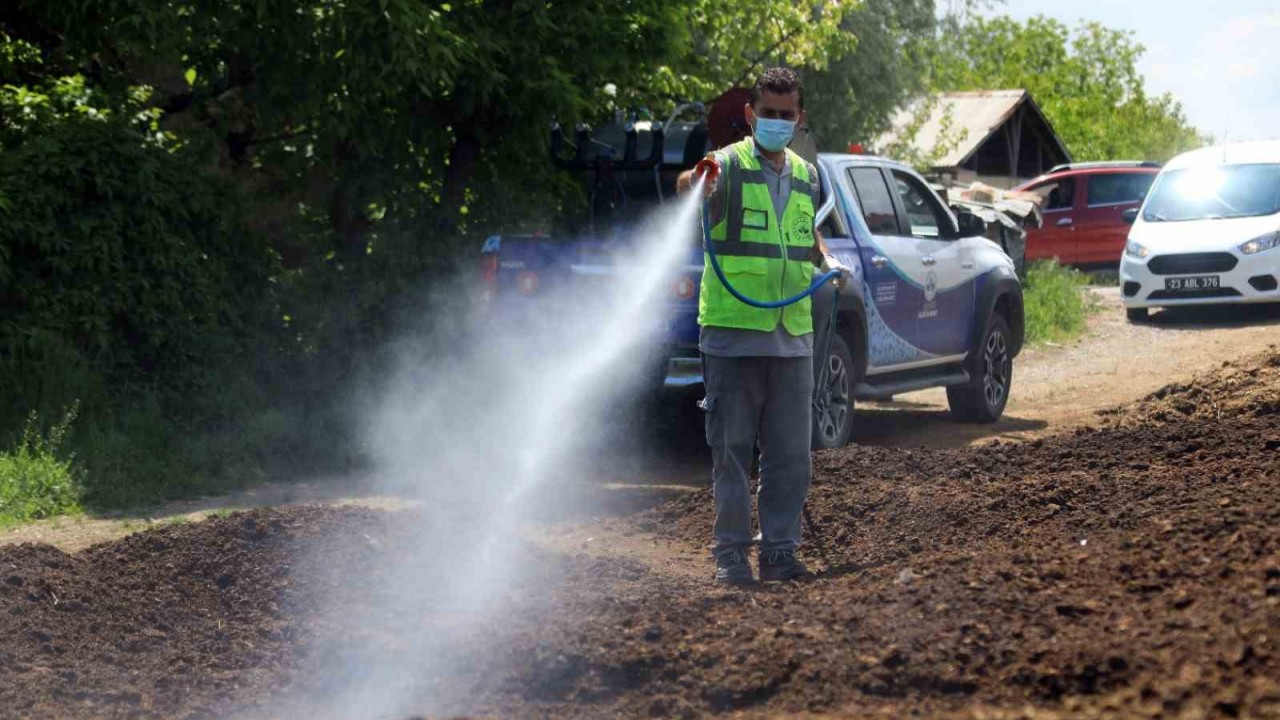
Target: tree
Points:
(1087, 83)
(854, 98)
(730, 42)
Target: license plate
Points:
(1191, 284)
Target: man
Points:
(757, 363)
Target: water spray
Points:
(486, 423)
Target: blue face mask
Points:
(774, 135)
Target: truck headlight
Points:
(1258, 244)
(1136, 249)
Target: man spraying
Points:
(757, 363)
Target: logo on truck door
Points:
(930, 309)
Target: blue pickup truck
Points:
(933, 303)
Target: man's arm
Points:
(684, 181)
(819, 247)
(713, 192)
(820, 251)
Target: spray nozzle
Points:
(707, 170)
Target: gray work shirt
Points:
(737, 342)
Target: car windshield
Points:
(1227, 191)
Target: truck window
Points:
(925, 216)
(874, 201)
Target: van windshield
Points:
(1225, 191)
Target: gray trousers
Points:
(765, 400)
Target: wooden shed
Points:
(999, 137)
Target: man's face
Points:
(775, 107)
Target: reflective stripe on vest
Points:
(763, 258)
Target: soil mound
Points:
(178, 621)
(1126, 570)
(1246, 388)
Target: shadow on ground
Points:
(1213, 317)
(909, 425)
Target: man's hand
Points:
(829, 263)
(708, 170)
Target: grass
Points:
(38, 477)
(1056, 304)
(133, 446)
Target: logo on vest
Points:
(802, 227)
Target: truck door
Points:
(944, 324)
(889, 261)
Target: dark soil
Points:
(1126, 570)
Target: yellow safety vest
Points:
(762, 258)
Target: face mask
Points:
(774, 135)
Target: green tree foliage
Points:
(1087, 83)
(115, 245)
(854, 98)
(357, 110)
(731, 41)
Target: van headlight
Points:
(1258, 244)
(1136, 249)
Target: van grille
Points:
(1188, 263)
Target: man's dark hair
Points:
(777, 80)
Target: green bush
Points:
(38, 479)
(1056, 303)
(135, 259)
(130, 285)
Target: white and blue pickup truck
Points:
(933, 304)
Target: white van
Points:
(1208, 231)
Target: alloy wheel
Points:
(997, 367)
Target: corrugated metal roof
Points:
(974, 116)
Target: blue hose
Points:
(710, 246)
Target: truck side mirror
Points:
(1130, 216)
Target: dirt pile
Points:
(1126, 570)
(1245, 388)
(181, 621)
(1130, 569)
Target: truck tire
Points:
(833, 406)
(982, 399)
(1136, 315)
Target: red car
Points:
(1084, 206)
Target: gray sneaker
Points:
(781, 565)
(732, 568)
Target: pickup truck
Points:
(933, 303)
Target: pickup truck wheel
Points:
(1136, 315)
(983, 398)
(833, 403)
